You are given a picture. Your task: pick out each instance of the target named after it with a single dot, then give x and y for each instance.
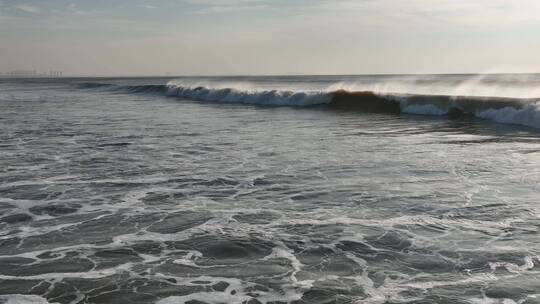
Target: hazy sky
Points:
(186, 37)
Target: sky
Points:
(268, 37)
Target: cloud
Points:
(222, 2)
(226, 6)
(227, 9)
(28, 8)
(492, 13)
(72, 8)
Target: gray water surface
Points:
(110, 197)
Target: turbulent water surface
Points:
(349, 189)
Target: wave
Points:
(522, 111)
(92, 85)
(135, 89)
(254, 97)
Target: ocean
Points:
(282, 189)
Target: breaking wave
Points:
(509, 110)
(523, 111)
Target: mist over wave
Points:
(488, 85)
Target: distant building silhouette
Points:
(22, 73)
(32, 73)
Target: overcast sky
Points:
(194, 37)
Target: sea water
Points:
(290, 189)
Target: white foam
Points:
(208, 297)
(529, 115)
(23, 299)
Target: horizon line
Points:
(260, 75)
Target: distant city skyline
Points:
(31, 73)
(263, 37)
